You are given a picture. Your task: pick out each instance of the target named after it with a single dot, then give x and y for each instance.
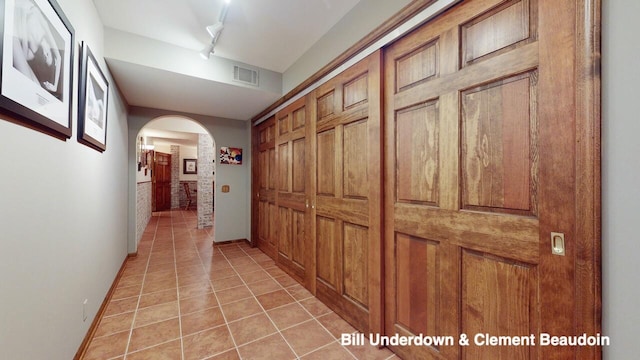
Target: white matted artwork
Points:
(37, 64)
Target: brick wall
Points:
(143, 208)
(175, 176)
(205, 180)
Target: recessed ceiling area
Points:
(151, 48)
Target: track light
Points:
(215, 29)
(206, 52)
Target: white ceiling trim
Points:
(425, 15)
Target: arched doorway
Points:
(190, 152)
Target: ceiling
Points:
(269, 35)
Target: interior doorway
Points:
(161, 181)
(174, 153)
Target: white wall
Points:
(232, 215)
(621, 177)
(63, 221)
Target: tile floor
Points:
(182, 298)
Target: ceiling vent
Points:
(245, 76)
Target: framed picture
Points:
(190, 166)
(93, 97)
(36, 73)
(230, 155)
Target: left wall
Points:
(63, 220)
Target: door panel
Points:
(292, 197)
(347, 204)
(465, 239)
(499, 129)
(488, 281)
(264, 200)
(161, 181)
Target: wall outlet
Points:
(84, 310)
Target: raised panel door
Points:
(264, 185)
(480, 153)
(292, 196)
(347, 204)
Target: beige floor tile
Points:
(114, 324)
(171, 350)
(307, 337)
(268, 348)
(251, 328)
(255, 276)
(226, 283)
(333, 351)
(156, 313)
(154, 334)
(275, 299)
(233, 294)
(315, 306)
(151, 286)
(157, 298)
(241, 308)
(194, 290)
(227, 355)
(264, 286)
(288, 315)
(207, 343)
(201, 320)
(336, 325)
(198, 302)
(121, 306)
(107, 347)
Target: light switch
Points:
(225, 188)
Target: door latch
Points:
(557, 243)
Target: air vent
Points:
(245, 76)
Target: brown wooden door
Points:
(480, 170)
(347, 205)
(161, 178)
(292, 198)
(264, 181)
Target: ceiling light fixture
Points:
(215, 30)
(207, 51)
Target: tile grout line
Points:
(226, 323)
(259, 304)
(296, 301)
(236, 257)
(135, 313)
(175, 269)
(313, 317)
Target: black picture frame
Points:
(189, 166)
(36, 86)
(93, 100)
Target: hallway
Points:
(182, 298)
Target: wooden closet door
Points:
(292, 195)
(265, 179)
(480, 173)
(348, 194)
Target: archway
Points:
(186, 141)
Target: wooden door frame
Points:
(588, 174)
(255, 185)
